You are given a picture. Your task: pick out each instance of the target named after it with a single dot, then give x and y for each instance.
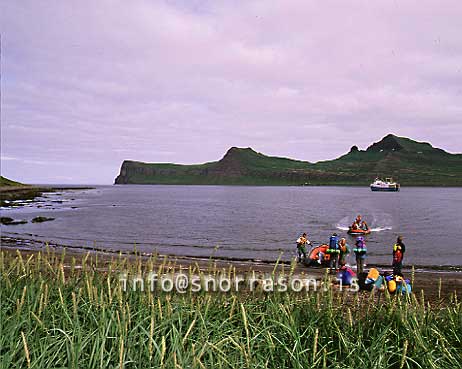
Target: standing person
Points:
(302, 241)
(360, 252)
(398, 255)
(333, 251)
(344, 251)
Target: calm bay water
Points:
(247, 222)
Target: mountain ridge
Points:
(411, 162)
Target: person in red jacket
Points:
(398, 255)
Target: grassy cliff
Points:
(4, 182)
(411, 162)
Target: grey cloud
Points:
(88, 84)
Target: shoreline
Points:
(359, 185)
(434, 284)
(8, 194)
(28, 244)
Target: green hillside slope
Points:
(408, 161)
(411, 162)
(8, 182)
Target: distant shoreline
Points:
(278, 185)
(409, 162)
(30, 192)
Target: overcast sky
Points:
(87, 84)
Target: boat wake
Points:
(343, 224)
(375, 229)
(380, 229)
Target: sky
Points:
(86, 84)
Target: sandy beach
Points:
(433, 284)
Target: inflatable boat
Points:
(358, 232)
(314, 256)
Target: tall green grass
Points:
(75, 315)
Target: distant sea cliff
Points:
(412, 163)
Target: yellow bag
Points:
(373, 274)
(391, 286)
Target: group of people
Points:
(338, 249)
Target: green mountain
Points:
(410, 162)
(4, 182)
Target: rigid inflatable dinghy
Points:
(318, 256)
(359, 231)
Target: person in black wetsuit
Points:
(398, 255)
(360, 252)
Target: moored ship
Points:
(385, 185)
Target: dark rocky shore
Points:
(23, 195)
(8, 194)
(13, 193)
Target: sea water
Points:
(259, 223)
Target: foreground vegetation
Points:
(60, 312)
